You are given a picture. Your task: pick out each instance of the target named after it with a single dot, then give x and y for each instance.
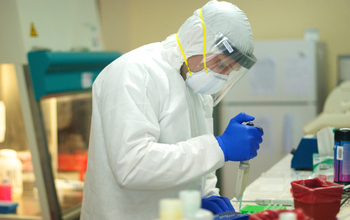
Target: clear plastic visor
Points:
(226, 61)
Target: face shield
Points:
(216, 71)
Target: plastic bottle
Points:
(5, 191)
(342, 155)
(11, 170)
(191, 201)
(170, 209)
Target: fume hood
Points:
(51, 52)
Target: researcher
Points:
(152, 125)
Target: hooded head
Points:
(228, 40)
(219, 17)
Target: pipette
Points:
(242, 175)
(273, 201)
(242, 179)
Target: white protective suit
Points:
(151, 136)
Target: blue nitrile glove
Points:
(217, 204)
(239, 141)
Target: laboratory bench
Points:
(276, 183)
(48, 120)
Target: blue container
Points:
(8, 207)
(342, 155)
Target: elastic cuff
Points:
(221, 144)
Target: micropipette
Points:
(273, 201)
(242, 179)
(242, 175)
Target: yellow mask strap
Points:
(204, 46)
(183, 54)
(204, 40)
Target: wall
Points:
(128, 24)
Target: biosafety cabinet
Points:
(50, 54)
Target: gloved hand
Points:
(217, 204)
(239, 141)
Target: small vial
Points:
(5, 191)
(287, 216)
(170, 209)
(191, 201)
